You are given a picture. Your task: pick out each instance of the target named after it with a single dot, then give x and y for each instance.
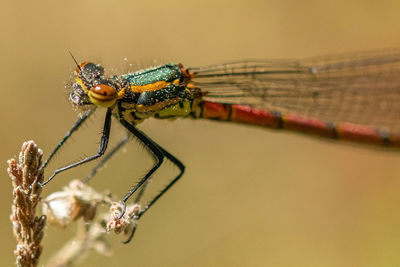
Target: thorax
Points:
(160, 92)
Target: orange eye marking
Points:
(103, 95)
(103, 92)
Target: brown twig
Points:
(27, 228)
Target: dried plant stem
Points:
(27, 227)
(88, 237)
(77, 202)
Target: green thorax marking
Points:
(172, 101)
(167, 73)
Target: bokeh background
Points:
(250, 196)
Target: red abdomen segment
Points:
(276, 120)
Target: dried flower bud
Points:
(61, 208)
(75, 201)
(127, 222)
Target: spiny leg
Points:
(115, 149)
(181, 167)
(157, 153)
(102, 148)
(141, 192)
(75, 127)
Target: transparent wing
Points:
(361, 88)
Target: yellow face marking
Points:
(149, 87)
(176, 81)
(80, 82)
(121, 93)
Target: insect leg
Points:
(115, 149)
(157, 153)
(75, 127)
(102, 148)
(181, 167)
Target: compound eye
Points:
(103, 95)
(104, 90)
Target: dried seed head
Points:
(127, 222)
(28, 228)
(75, 201)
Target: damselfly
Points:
(354, 97)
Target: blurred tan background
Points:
(250, 196)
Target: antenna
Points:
(76, 62)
